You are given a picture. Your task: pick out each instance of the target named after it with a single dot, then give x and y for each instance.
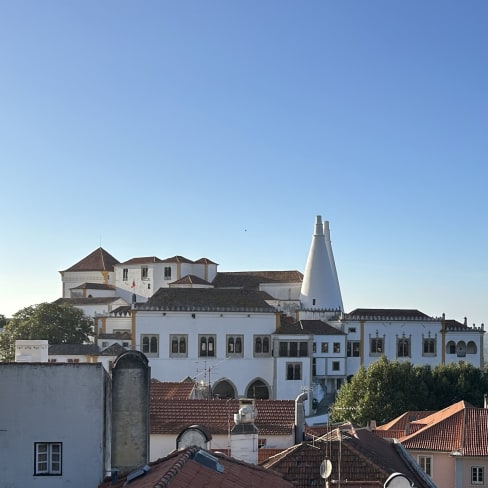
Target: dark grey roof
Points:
(87, 301)
(190, 280)
(93, 286)
(386, 314)
(113, 350)
(316, 327)
(73, 349)
(252, 279)
(207, 299)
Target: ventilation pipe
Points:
(300, 417)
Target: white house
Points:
(230, 330)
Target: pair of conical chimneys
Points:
(320, 287)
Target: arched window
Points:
(461, 349)
(258, 389)
(471, 348)
(224, 389)
(451, 347)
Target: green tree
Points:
(3, 320)
(387, 389)
(59, 324)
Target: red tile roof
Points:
(275, 417)
(459, 428)
(167, 390)
(182, 469)
(98, 260)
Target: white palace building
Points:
(255, 334)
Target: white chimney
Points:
(244, 435)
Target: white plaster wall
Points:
(282, 291)
(240, 371)
(52, 403)
(73, 279)
(474, 359)
(161, 445)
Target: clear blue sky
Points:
(220, 129)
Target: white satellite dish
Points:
(325, 469)
(397, 480)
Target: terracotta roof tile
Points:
(275, 417)
(168, 390)
(204, 261)
(98, 260)
(177, 259)
(144, 260)
(182, 469)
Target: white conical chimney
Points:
(320, 287)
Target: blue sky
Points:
(220, 129)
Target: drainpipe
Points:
(300, 417)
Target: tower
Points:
(320, 288)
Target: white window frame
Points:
(232, 343)
(259, 342)
(210, 342)
(296, 368)
(48, 458)
(147, 347)
(425, 463)
(477, 475)
(180, 339)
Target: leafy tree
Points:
(59, 324)
(387, 389)
(3, 320)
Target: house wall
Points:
(71, 279)
(463, 471)
(53, 403)
(238, 370)
(161, 445)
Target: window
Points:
(167, 272)
(403, 347)
(150, 345)
(105, 344)
(337, 347)
(336, 366)
(314, 366)
(178, 346)
(353, 349)
(48, 458)
(324, 347)
(425, 462)
(293, 349)
(351, 330)
(75, 360)
(207, 345)
(314, 347)
(262, 345)
(428, 347)
(377, 346)
(125, 274)
(51, 360)
(235, 345)
(451, 347)
(144, 273)
(477, 475)
(293, 371)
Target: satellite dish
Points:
(325, 469)
(398, 480)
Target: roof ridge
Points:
(176, 467)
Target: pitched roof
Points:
(364, 459)
(143, 260)
(86, 301)
(275, 417)
(73, 349)
(386, 314)
(98, 260)
(171, 390)
(207, 299)
(190, 280)
(93, 286)
(196, 467)
(459, 428)
(177, 259)
(204, 261)
(316, 327)
(252, 279)
(113, 350)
